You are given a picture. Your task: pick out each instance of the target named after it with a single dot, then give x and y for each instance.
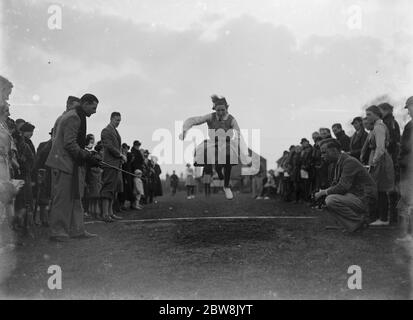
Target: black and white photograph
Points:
(206, 155)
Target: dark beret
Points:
(27, 127)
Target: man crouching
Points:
(352, 190)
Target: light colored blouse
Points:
(210, 119)
(195, 121)
(378, 142)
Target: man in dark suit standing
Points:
(43, 181)
(358, 139)
(341, 137)
(405, 205)
(111, 178)
(67, 159)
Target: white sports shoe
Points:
(228, 193)
(408, 238)
(379, 223)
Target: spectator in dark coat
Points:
(365, 150)
(148, 178)
(26, 153)
(288, 178)
(137, 157)
(341, 137)
(358, 139)
(316, 160)
(326, 169)
(306, 172)
(126, 196)
(44, 181)
(405, 205)
(295, 173)
(174, 182)
(157, 178)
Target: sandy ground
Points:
(213, 258)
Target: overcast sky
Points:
(286, 67)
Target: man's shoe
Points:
(363, 226)
(86, 235)
(228, 194)
(115, 217)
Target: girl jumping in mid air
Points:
(225, 147)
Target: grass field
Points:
(281, 258)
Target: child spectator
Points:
(190, 182)
(94, 185)
(207, 179)
(138, 190)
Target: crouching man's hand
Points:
(320, 194)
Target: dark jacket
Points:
(174, 180)
(45, 181)
(112, 143)
(157, 181)
(406, 148)
(394, 130)
(42, 153)
(66, 152)
(357, 142)
(137, 160)
(344, 141)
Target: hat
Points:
(27, 127)
(386, 106)
(357, 119)
(304, 140)
(137, 142)
(375, 109)
(138, 172)
(71, 99)
(19, 121)
(125, 145)
(146, 152)
(409, 102)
